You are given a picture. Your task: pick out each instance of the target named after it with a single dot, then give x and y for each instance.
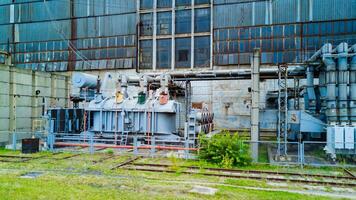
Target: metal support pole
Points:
(255, 111)
(135, 149)
(301, 154)
(186, 145)
(153, 146)
(91, 143)
(14, 141)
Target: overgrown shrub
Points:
(224, 149)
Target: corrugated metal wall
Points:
(58, 35)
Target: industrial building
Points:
(284, 67)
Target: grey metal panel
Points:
(260, 13)
(4, 2)
(333, 9)
(106, 26)
(44, 31)
(38, 11)
(5, 14)
(233, 1)
(284, 11)
(233, 15)
(5, 35)
(108, 7)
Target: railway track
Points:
(129, 161)
(252, 171)
(251, 174)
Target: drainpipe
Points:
(255, 111)
(331, 83)
(343, 74)
(353, 88)
(310, 89)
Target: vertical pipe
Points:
(331, 83)
(173, 42)
(310, 89)
(255, 102)
(342, 102)
(154, 42)
(322, 91)
(353, 89)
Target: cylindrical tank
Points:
(331, 76)
(83, 80)
(343, 77)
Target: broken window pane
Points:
(146, 24)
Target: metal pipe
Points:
(353, 89)
(310, 89)
(83, 80)
(64, 144)
(343, 77)
(331, 84)
(322, 91)
(316, 55)
(270, 73)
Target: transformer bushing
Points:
(343, 77)
(353, 89)
(331, 76)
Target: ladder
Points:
(282, 110)
(124, 134)
(191, 133)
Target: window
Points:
(146, 4)
(146, 54)
(202, 51)
(182, 52)
(183, 2)
(196, 2)
(146, 24)
(164, 3)
(183, 21)
(164, 23)
(164, 47)
(202, 20)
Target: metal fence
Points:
(307, 153)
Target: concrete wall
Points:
(19, 103)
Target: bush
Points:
(224, 149)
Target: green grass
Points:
(80, 178)
(91, 187)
